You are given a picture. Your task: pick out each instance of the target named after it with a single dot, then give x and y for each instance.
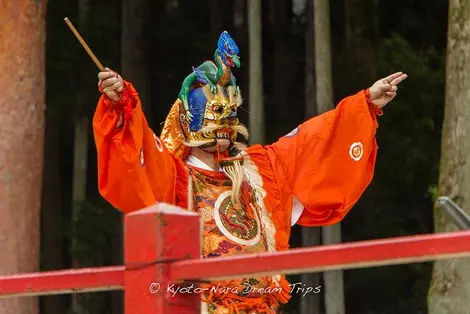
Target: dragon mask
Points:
(206, 110)
(214, 117)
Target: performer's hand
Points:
(111, 84)
(384, 90)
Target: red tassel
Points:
(127, 101)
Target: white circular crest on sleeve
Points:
(355, 151)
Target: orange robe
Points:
(325, 164)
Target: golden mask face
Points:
(214, 116)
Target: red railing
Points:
(163, 245)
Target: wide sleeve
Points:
(134, 169)
(328, 161)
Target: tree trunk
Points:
(362, 32)
(221, 19)
(22, 73)
(135, 63)
(171, 6)
(310, 92)
(79, 197)
(450, 285)
(134, 49)
(80, 161)
(333, 280)
(284, 85)
(240, 34)
(239, 14)
(323, 72)
(117, 297)
(256, 108)
(52, 246)
(311, 302)
(217, 15)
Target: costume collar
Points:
(196, 162)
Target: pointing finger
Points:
(393, 76)
(399, 79)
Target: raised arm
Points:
(328, 161)
(134, 168)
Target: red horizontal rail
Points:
(401, 250)
(373, 253)
(63, 281)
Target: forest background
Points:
(154, 44)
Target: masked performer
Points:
(248, 197)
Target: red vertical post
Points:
(153, 238)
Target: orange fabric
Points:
(134, 169)
(315, 164)
(327, 163)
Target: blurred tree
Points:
(218, 16)
(311, 302)
(80, 167)
(172, 5)
(310, 92)
(240, 34)
(135, 53)
(239, 17)
(358, 48)
(333, 280)
(361, 39)
(52, 246)
(398, 201)
(256, 108)
(61, 55)
(283, 79)
(136, 24)
(450, 284)
(22, 106)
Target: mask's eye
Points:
(217, 109)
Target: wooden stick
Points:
(84, 44)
